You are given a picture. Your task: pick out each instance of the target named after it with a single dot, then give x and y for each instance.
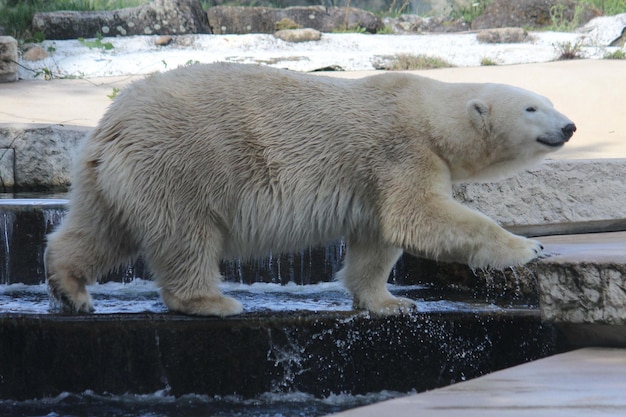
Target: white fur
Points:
(222, 161)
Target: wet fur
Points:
(231, 161)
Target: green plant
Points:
(396, 10)
(568, 50)
(286, 23)
(353, 29)
(404, 62)
(560, 22)
(619, 54)
(16, 19)
(96, 43)
(469, 13)
(486, 62)
(114, 93)
(607, 7)
(385, 30)
(46, 72)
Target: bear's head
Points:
(520, 128)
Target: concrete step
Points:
(586, 382)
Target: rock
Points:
(411, 23)
(534, 13)
(607, 30)
(502, 35)
(286, 23)
(240, 20)
(163, 40)
(585, 281)
(8, 59)
(158, 17)
(35, 53)
(554, 193)
(299, 35)
(43, 154)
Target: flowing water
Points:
(280, 291)
(141, 295)
(163, 404)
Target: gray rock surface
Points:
(412, 23)
(299, 35)
(157, 17)
(565, 191)
(502, 35)
(533, 13)
(241, 20)
(584, 281)
(606, 30)
(8, 59)
(42, 155)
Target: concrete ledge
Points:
(42, 155)
(555, 192)
(584, 279)
(582, 383)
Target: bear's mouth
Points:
(553, 143)
(558, 139)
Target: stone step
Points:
(582, 287)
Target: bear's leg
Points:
(78, 252)
(443, 229)
(365, 273)
(188, 274)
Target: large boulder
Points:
(607, 30)
(8, 59)
(158, 17)
(411, 23)
(240, 20)
(534, 13)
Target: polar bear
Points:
(226, 161)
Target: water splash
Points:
(289, 357)
(7, 219)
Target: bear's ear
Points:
(479, 114)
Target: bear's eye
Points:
(531, 109)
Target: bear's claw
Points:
(391, 307)
(63, 303)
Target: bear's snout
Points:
(568, 130)
(557, 139)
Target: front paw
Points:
(69, 296)
(391, 306)
(515, 251)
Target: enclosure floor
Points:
(585, 382)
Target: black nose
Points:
(569, 130)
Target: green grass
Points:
(568, 50)
(607, 7)
(471, 12)
(405, 62)
(354, 29)
(619, 54)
